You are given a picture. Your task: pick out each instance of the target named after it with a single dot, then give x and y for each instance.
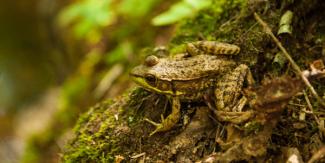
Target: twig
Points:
(308, 101)
(318, 121)
(138, 155)
(311, 107)
(292, 62)
(311, 88)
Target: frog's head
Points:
(149, 77)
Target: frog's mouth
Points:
(143, 83)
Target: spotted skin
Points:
(189, 78)
(212, 47)
(229, 88)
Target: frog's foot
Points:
(240, 105)
(234, 117)
(159, 126)
(236, 114)
(169, 122)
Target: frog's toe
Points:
(152, 122)
(159, 126)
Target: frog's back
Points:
(191, 68)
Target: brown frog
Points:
(205, 68)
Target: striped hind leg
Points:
(211, 47)
(229, 88)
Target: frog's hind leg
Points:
(229, 88)
(211, 47)
(171, 120)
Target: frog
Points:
(204, 69)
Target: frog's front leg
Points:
(171, 120)
(211, 47)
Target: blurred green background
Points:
(58, 57)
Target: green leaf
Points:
(136, 8)
(179, 11)
(120, 53)
(87, 16)
(286, 23)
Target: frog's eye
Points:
(151, 60)
(151, 79)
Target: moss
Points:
(227, 21)
(96, 131)
(89, 131)
(206, 23)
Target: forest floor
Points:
(285, 116)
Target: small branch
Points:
(278, 43)
(287, 55)
(311, 107)
(138, 155)
(311, 88)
